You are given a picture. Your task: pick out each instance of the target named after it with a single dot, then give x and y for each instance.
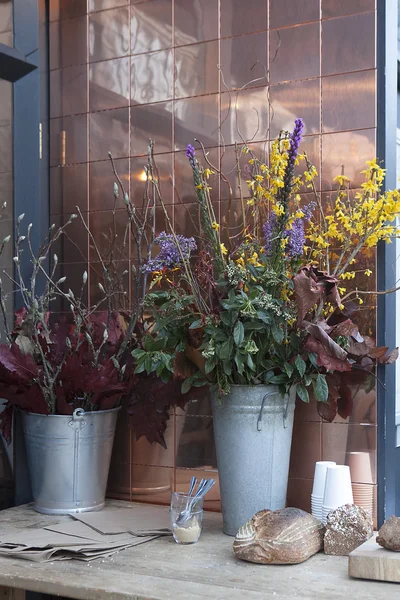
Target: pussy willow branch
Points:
(106, 273)
(138, 225)
(3, 298)
(17, 261)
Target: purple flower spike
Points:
(295, 139)
(190, 151)
(296, 238)
(173, 249)
(268, 231)
(308, 210)
(191, 154)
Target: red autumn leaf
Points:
(324, 358)
(345, 402)
(110, 396)
(359, 377)
(347, 328)
(327, 410)
(73, 372)
(183, 366)
(390, 358)
(63, 407)
(343, 314)
(56, 347)
(196, 337)
(14, 361)
(34, 401)
(20, 315)
(307, 293)
(115, 329)
(26, 398)
(108, 402)
(328, 283)
(369, 352)
(322, 336)
(149, 404)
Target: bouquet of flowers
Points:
(269, 301)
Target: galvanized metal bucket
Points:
(253, 435)
(69, 459)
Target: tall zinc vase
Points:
(253, 434)
(69, 459)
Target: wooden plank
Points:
(371, 561)
(163, 570)
(7, 593)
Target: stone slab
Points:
(163, 570)
(371, 561)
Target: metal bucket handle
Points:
(78, 419)
(78, 414)
(285, 413)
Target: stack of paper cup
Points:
(337, 489)
(361, 477)
(317, 496)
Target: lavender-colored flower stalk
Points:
(191, 154)
(296, 238)
(285, 191)
(295, 139)
(308, 210)
(296, 235)
(268, 232)
(173, 251)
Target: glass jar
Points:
(187, 532)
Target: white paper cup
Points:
(337, 486)
(317, 515)
(315, 498)
(360, 467)
(319, 477)
(324, 514)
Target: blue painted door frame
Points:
(30, 164)
(388, 455)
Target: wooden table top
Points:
(162, 570)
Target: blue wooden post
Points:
(388, 455)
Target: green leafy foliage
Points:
(302, 393)
(238, 333)
(320, 387)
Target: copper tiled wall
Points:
(123, 72)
